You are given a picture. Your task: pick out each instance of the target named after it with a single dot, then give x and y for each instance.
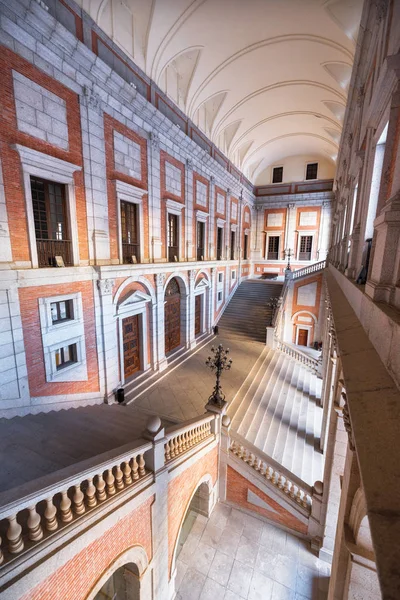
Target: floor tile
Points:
(212, 590)
(229, 541)
(246, 552)
(181, 569)
(306, 582)
(221, 567)
(281, 592)
(192, 585)
(229, 595)
(202, 558)
(189, 548)
(211, 535)
(240, 578)
(260, 587)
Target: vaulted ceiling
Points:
(264, 79)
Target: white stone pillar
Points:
(190, 242)
(160, 315)
(191, 306)
(211, 235)
(291, 229)
(324, 230)
(211, 296)
(258, 219)
(5, 242)
(107, 340)
(153, 150)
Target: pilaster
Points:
(154, 163)
(159, 279)
(107, 342)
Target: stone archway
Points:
(172, 316)
(123, 584)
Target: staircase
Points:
(247, 314)
(280, 415)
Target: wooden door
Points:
(131, 345)
(197, 315)
(172, 317)
(303, 337)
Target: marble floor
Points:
(234, 556)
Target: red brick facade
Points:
(78, 576)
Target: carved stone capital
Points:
(91, 99)
(212, 179)
(291, 206)
(192, 274)
(326, 204)
(159, 279)
(105, 286)
(189, 164)
(154, 140)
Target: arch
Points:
(304, 312)
(206, 479)
(136, 555)
(202, 274)
(145, 282)
(182, 282)
(358, 512)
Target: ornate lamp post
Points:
(218, 363)
(288, 255)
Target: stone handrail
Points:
(319, 266)
(182, 438)
(31, 517)
(296, 489)
(303, 358)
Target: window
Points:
(220, 235)
(51, 223)
(273, 247)
(61, 311)
(277, 174)
(130, 233)
(233, 275)
(246, 247)
(219, 296)
(65, 356)
(312, 171)
(305, 247)
(220, 277)
(233, 245)
(173, 237)
(200, 240)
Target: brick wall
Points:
(236, 492)
(307, 290)
(180, 492)
(29, 305)
(78, 576)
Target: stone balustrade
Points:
(182, 439)
(26, 522)
(307, 361)
(301, 493)
(319, 266)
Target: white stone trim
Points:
(278, 234)
(134, 305)
(53, 169)
(65, 333)
(129, 193)
(313, 234)
(201, 216)
(221, 223)
(175, 208)
(309, 329)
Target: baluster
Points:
(275, 478)
(100, 485)
(293, 491)
(172, 445)
(258, 465)
(287, 486)
(14, 535)
(251, 460)
(306, 501)
(202, 431)
(298, 496)
(135, 469)
(167, 448)
(281, 481)
(126, 469)
(142, 464)
(34, 525)
(263, 468)
(241, 452)
(119, 483)
(79, 501)
(184, 441)
(50, 515)
(91, 494)
(65, 507)
(189, 438)
(110, 482)
(179, 444)
(1, 554)
(232, 447)
(268, 473)
(196, 435)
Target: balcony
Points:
(273, 255)
(304, 255)
(200, 253)
(47, 250)
(173, 253)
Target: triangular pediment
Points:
(202, 284)
(133, 300)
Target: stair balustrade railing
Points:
(182, 438)
(319, 266)
(282, 479)
(301, 357)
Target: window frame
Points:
(69, 303)
(65, 364)
(272, 174)
(174, 208)
(311, 178)
(301, 235)
(273, 235)
(133, 195)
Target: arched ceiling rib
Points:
(264, 79)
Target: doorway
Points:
(302, 338)
(131, 345)
(172, 309)
(197, 314)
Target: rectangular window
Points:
(246, 247)
(201, 227)
(130, 233)
(233, 245)
(305, 247)
(51, 223)
(173, 237)
(233, 275)
(220, 277)
(67, 355)
(277, 174)
(62, 311)
(219, 296)
(312, 171)
(273, 247)
(220, 234)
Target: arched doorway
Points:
(123, 584)
(172, 316)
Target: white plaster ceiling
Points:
(264, 79)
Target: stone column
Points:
(155, 233)
(211, 234)
(190, 242)
(223, 457)
(258, 219)
(291, 228)
(191, 306)
(107, 340)
(213, 287)
(5, 242)
(159, 279)
(324, 231)
(227, 231)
